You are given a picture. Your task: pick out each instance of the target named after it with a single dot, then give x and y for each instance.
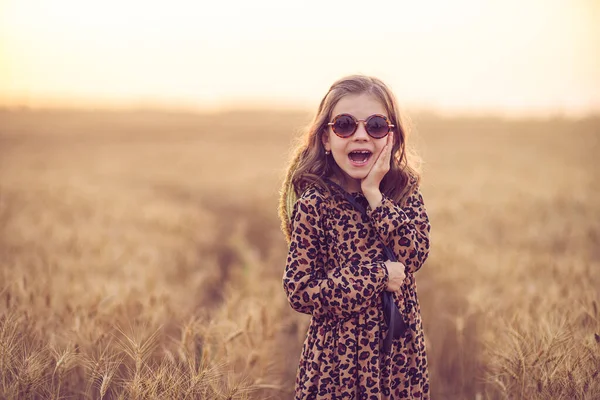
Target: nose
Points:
(361, 133)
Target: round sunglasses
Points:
(376, 125)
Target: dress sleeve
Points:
(341, 291)
(404, 229)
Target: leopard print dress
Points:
(335, 273)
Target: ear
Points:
(325, 140)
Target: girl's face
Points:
(356, 154)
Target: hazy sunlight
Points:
(512, 56)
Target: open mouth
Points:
(360, 157)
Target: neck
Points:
(347, 183)
(352, 185)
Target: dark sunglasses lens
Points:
(344, 125)
(377, 127)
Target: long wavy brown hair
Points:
(309, 164)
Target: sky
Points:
(510, 56)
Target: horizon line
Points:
(278, 105)
(233, 107)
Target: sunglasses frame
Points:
(357, 121)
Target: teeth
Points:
(364, 154)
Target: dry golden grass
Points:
(140, 256)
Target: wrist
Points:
(374, 197)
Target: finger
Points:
(384, 158)
(387, 149)
(390, 145)
(381, 157)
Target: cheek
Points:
(328, 139)
(335, 143)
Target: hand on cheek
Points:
(381, 166)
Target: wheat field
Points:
(141, 257)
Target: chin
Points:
(356, 175)
(359, 177)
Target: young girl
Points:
(356, 156)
